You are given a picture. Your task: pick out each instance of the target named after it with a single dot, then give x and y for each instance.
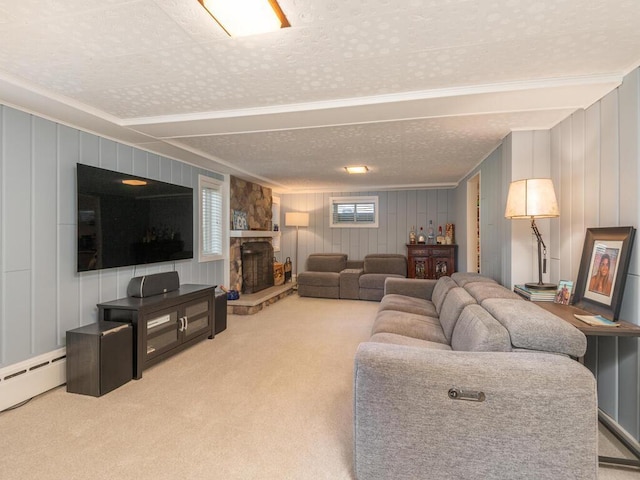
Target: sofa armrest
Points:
(410, 287)
(538, 419)
(349, 283)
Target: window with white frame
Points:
(349, 212)
(213, 224)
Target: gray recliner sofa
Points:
(322, 275)
(461, 378)
(377, 267)
(333, 275)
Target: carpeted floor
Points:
(269, 398)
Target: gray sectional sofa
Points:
(461, 378)
(332, 275)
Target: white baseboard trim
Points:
(24, 380)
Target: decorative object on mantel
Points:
(412, 236)
(450, 234)
(240, 220)
(431, 236)
(296, 219)
(530, 199)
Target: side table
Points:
(99, 357)
(625, 329)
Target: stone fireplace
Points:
(257, 266)
(256, 202)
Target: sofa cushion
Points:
(319, 291)
(402, 303)
(387, 263)
(375, 280)
(462, 278)
(319, 279)
(410, 287)
(409, 325)
(477, 331)
(452, 308)
(396, 339)
(530, 327)
(443, 285)
(483, 290)
(326, 262)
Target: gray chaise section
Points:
(322, 275)
(377, 268)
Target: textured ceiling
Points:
(421, 91)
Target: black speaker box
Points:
(155, 284)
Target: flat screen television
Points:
(128, 220)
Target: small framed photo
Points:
(603, 270)
(564, 292)
(240, 220)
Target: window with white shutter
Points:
(349, 212)
(212, 219)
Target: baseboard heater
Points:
(24, 380)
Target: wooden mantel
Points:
(253, 234)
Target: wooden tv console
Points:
(164, 324)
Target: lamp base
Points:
(541, 286)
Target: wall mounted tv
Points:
(128, 220)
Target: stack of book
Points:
(534, 294)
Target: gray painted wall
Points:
(593, 158)
(595, 164)
(399, 211)
(41, 295)
(493, 226)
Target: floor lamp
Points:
(296, 219)
(531, 199)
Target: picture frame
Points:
(240, 220)
(564, 292)
(603, 270)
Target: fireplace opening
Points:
(257, 266)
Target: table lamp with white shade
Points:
(530, 199)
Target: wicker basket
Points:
(278, 273)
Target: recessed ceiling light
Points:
(357, 169)
(133, 182)
(248, 17)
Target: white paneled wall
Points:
(595, 164)
(41, 294)
(399, 211)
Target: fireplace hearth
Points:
(257, 266)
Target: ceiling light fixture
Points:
(135, 183)
(358, 169)
(248, 17)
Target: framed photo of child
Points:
(603, 270)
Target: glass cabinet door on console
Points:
(431, 261)
(169, 327)
(196, 317)
(163, 331)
